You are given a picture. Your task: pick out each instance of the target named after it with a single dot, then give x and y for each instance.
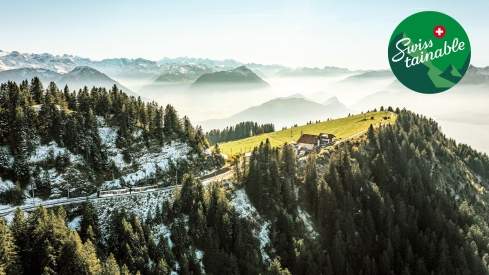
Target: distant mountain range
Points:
(77, 78)
(164, 70)
(140, 72)
(114, 67)
(182, 73)
(284, 111)
(19, 75)
(227, 63)
(56, 63)
(238, 76)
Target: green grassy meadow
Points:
(342, 128)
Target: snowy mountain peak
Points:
(84, 70)
(16, 60)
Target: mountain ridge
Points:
(76, 78)
(241, 75)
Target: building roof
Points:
(327, 135)
(308, 139)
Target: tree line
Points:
(239, 131)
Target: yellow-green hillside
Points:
(342, 128)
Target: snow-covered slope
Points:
(148, 162)
(246, 210)
(145, 164)
(6, 185)
(141, 205)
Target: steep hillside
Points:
(402, 199)
(399, 199)
(55, 143)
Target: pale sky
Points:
(344, 33)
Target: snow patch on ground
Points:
(55, 178)
(75, 223)
(245, 209)
(9, 218)
(264, 237)
(141, 205)
(6, 185)
(162, 230)
(42, 152)
(4, 150)
(306, 219)
(149, 162)
(199, 255)
(242, 204)
(108, 136)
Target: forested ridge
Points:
(32, 116)
(402, 199)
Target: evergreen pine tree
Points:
(110, 266)
(8, 250)
(91, 261)
(36, 90)
(276, 268)
(162, 268)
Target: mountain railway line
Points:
(220, 175)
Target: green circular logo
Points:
(429, 52)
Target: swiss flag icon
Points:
(439, 31)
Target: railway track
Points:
(220, 175)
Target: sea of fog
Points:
(207, 104)
(461, 112)
(475, 135)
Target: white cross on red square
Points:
(439, 31)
